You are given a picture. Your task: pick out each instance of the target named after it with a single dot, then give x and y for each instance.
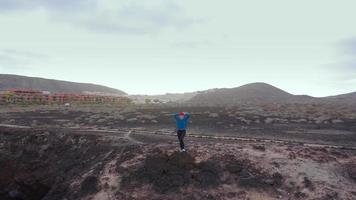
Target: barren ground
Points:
(132, 154)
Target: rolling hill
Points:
(254, 93)
(24, 82)
(349, 98)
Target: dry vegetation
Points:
(95, 153)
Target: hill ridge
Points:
(11, 81)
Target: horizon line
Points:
(167, 93)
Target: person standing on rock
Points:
(182, 123)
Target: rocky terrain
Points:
(325, 124)
(243, 152)
(69, 164)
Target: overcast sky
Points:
(159, 46)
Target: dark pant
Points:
(181, 135)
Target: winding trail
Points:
(127, 132)
(114, 132)
(13, 126)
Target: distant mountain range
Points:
(251, 93)
(254, 93)
(42, 84)
(261, 93)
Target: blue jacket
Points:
(182, 123)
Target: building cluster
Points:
(22, 96)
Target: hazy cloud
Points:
(24, 54)
(345, 61)
(348, 47)
(348, 54)
(62, 5)
(10, 58)
(134, 16)
(194, 44)
(350, 51)
(137, 19)
(231, 43)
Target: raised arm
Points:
(187, 115)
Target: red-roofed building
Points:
(23, 96)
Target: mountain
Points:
(24, 82)
(349, 98)
(254, 93)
